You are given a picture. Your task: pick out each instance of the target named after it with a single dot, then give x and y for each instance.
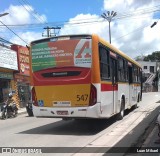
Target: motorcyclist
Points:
(11, 102)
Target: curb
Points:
(22, 111)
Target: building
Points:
(150, 78)
(8, 66)
(148, 66)
(22, 76)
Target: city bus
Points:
(82, 76)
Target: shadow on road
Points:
(75, 127)
(72, 127)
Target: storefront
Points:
(22, 78)
(23, 89)
(5, 85)
(8, 65)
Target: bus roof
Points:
(117, 51)
(62, 36)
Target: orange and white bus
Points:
(82, 76)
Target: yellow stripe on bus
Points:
(64, 95)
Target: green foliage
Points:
(155, 56)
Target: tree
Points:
(140, 58)
(155, 56)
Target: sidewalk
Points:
(22, 110)
(149, 144)
(152, 140)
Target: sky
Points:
(130, 28)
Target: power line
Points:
(81, 22)
(138, 29)
(13, 32)
(122, 16)
(141, 11)
(30, 11)
(49, 34)
(5, 41)
(35, 12)
(32, 26)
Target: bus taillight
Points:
(93, 95)
(34, 98)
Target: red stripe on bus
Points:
(109, 87)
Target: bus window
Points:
(135, 74)
(121, 69)
(104, 63)
(130, 74)
(126, 70)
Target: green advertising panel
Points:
(41, 57)
(61, 53)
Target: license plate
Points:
(61, 103)
(62, 112)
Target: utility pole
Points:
(49, 33)
(157, 64)
(109, 16)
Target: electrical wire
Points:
(92, 20)
(81, 22)
(13, 32)
(5, 41)
(31, 11)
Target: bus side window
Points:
(135, 74)
(122, 69)
(130, 74)
(104, 63)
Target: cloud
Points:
(26, 38)
(83, 23)
(130, 29)
(21, 15)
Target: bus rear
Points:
(61, 77)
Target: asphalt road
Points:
(30, 132)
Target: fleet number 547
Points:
(83, 97)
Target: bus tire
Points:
(120, 115)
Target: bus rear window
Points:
(61, 53)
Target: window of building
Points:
(145, 67)
(152, 69)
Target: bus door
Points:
(114, 83)
(132, 88)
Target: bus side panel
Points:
(106, 99)
(135, 89)
(123, 90)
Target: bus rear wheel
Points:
(120, 115)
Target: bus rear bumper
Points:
(68, 112)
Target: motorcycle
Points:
(8, 110)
